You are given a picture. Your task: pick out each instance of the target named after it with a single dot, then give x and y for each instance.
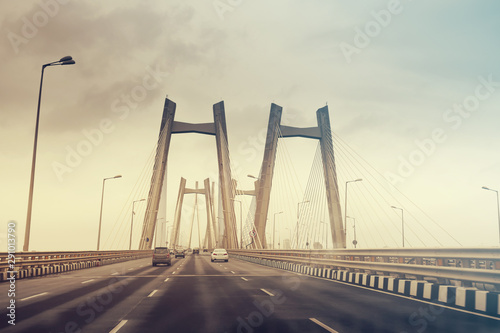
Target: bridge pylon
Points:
(264, 184)
(211, 230)
(167, 128)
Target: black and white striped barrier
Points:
(471, 299)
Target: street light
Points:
(402, 224)
(354, 241)
(100, 216)
(132, 223)
(498, 208)
(241, 224)
(274, 225)
(298, 204)
(345, 203)
(63, 61)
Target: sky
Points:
(412, 86)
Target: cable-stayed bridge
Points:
(344, 253)
(345, 203)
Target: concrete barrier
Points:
(431, 291)
(383, 282)
(466, 298)
(404, 287)
(447, 294)
(417, 288)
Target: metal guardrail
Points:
(467, 265)
(31, 260)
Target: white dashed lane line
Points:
(117, 327)
(328, 328)
(114, 273)
(267, 292)
(23, 299)
(244, 279)
(153, 292)
(88, 281)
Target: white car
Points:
(219, 254)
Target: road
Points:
(196, 295)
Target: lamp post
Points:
(354, 241)
(132, 223)
(402, 224)
(345, 203)
(274, 225)
(100, 216)
(241, 224)
(63, 61)
(298, 204)
(498, 208)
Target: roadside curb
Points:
(471, 299)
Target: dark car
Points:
(180, 254)
(196, 251)
(161, 255)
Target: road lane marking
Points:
(130, 269)
(88, 281)
(232, 272)
(243, 279)
(173, 273)
(166, 280)
(23, 299)
(114, 273)
(317, 322)
(153, 292)
(267, 292)
(117, 327)
(400, 296)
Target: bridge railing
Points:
(467, 266)
(26, 264)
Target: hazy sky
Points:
(412, 86)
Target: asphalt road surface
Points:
(196, 295)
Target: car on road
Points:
(180, 254)
(161, 255)
(196, 251)
(219, 254)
